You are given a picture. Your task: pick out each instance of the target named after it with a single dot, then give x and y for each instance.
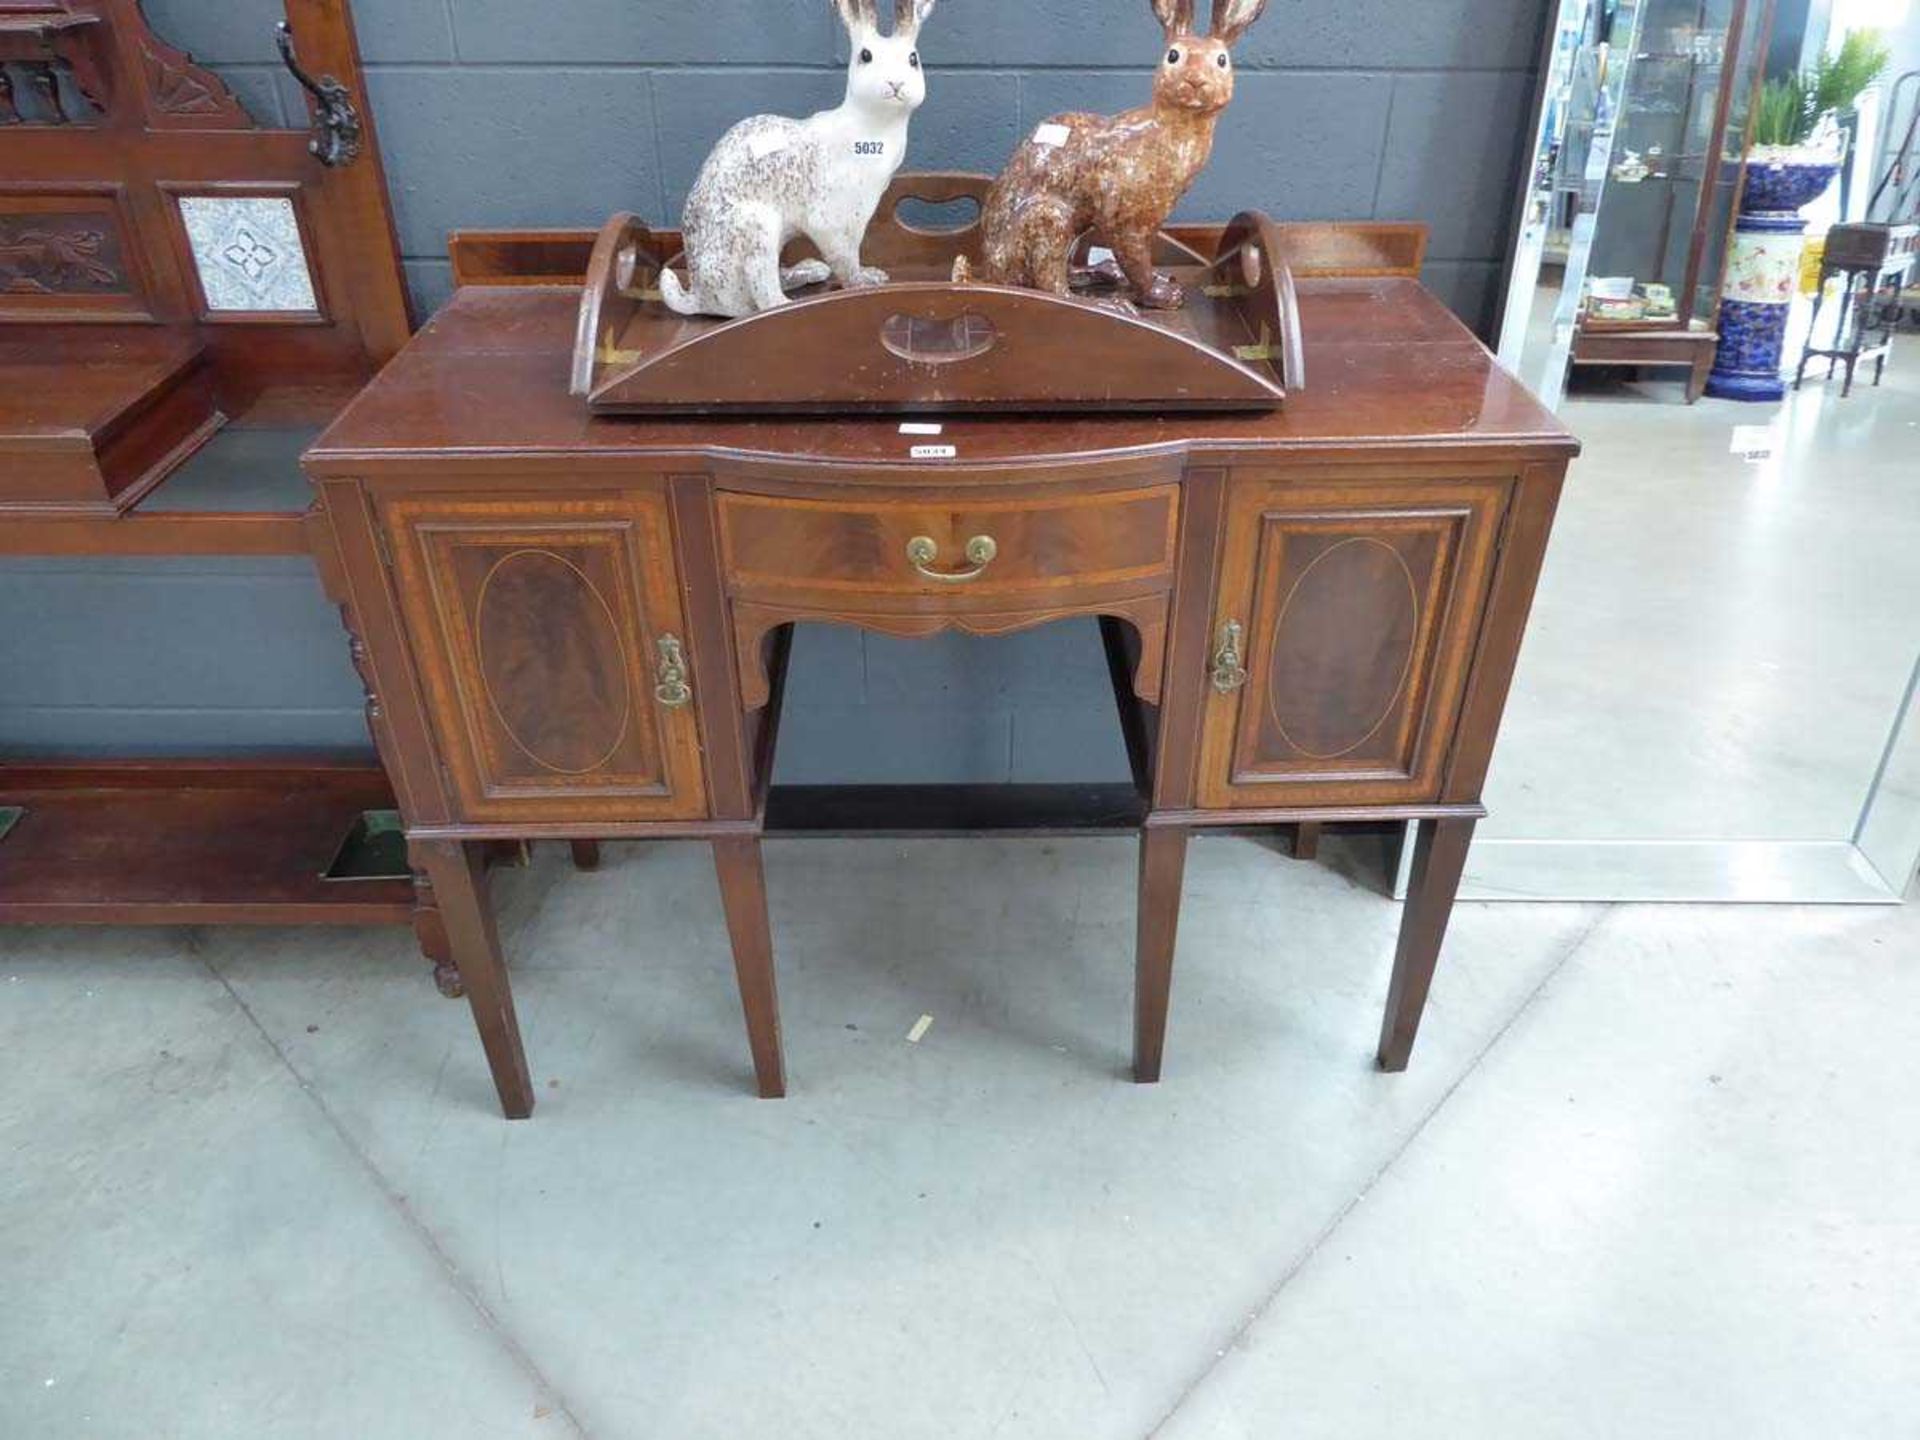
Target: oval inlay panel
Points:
(551, 661)
(1342, 648)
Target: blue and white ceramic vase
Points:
(1763, 267)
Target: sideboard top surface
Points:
(1387, 367)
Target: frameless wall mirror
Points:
(1717, 699)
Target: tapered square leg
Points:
(586, 854)
(457, 873)
(1439, 855)
(743, 894)
(1163, 866)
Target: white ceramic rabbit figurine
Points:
(771, 178)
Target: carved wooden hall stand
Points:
(179, 282)
(574, 627)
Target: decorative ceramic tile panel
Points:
(248, 252)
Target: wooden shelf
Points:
(241, 493)
(88, 429)
(1668, 325)
(193, 843)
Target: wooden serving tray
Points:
(926, 344)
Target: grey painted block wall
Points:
(501, 113)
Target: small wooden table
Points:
(574, 628)
(1652, 343)
(1877, 261)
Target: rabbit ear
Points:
(910, 15)
(1175, 16)
(857, 15)
(1232, 17)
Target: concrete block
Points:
(828, 667)
(1365, 34)
(1392, 34)
(95, 732)
(1046, 93)
(1299, 146)
(258, 90)
(1470, 288)
(430, 283)
(228, 31)
(178, 634)
(716, 32)
(1438, 118)
(901, 744)
(1068, 743)
(215, 34)
(524, 147)
(1014, 33)
(398, 32)
(970, 121)
(955, 670)
(1061, 663)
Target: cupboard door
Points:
(1342, 632)
(550, 637)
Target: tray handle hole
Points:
(953, 215)
(938, 340)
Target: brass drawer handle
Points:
(922, 552)
(1228, 673)
(670, 679)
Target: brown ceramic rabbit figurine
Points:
(1118, 175)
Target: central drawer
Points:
(1042, 548)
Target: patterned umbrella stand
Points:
(1763, 268)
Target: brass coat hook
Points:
(336, 121)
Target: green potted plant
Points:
(1797, 149)
(1797, 143)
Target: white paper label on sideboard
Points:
(920, 427)
(1052, 135)
(934, 452)
(1753, 442)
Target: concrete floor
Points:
(1652, 1172)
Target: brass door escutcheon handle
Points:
(1228, 673)
(671, 688)
(922, 552)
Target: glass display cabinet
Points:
(1581, 86)
(1673, 179)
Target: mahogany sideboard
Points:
(574, 627)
